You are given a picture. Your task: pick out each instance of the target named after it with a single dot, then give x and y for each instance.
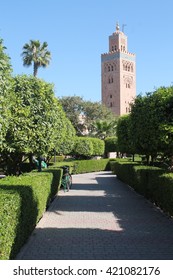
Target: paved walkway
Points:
(100, 218)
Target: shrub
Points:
(92, 165)
(23, 201)
(161, 189)
(124, 170)
(88, 146)
(83, 147)
(98, 146)
(111, 144)
(152, 182)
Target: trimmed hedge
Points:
(92, 165)
(23, 201)
(152, 182)
(164, 197)
(124, 170)
(86, 166)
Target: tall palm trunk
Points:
(35, 69)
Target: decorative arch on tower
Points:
(128, 81)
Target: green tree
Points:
(83, 147)
(73, 108)
(65, 143)
(103, 128)
(5, 94)
(164, 105)
(83, 113)
(37, 121)
(123, 138)
(95, 112)
(36, 53)
(146, 117)
(111, 144)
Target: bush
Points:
(144, 177)
(124, 170)
(161, 189)
(83, 147)
(87, 147)
(92, 165)
(110, 144)
(152, 182)
(98, 146)
(23, 201)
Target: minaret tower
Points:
(118, 74)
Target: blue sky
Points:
(77, 33)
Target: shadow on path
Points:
(101, 218)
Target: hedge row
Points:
(152, 182)
(85, 166)
(92, 165)
(23, 201)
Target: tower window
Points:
(110, 80)
(127, 85)
(111, 96)
(112, 68)
(109, 69)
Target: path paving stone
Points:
(100, 218)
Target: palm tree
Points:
(103, 128)
(36, 53)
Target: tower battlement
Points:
(118, 51)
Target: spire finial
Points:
(117, 26)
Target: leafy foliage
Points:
(111, 144)
(5, 94)
(65, 143)
(83, 147)
(84, 116)
(123, 137)
(23, 201)
(98, 146)
(37, 124)
(73, 108)
(152, 182)
(87, 147)
(91, 165)
(103, 129)
(148, 129)
(36, 53)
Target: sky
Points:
(77, 34)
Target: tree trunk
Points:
(35, 69)
(133, 157)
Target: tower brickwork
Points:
(118, 74)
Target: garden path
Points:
(100, 218)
